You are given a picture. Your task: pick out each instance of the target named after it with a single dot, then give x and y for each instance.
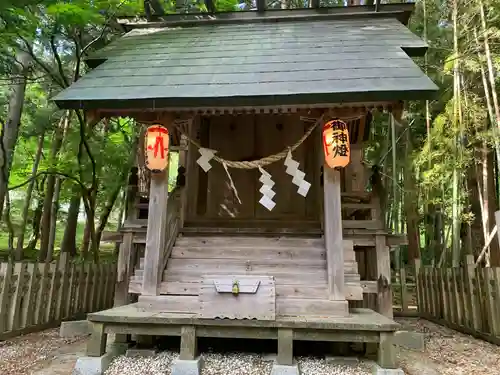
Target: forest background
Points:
(63, 179)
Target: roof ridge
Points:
(401, 11)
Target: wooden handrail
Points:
(172, 229)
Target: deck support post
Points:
(188, 343)
(333, 233)
(156, 234)
(284, 364)
(188, 363)
(386, 357)
(96, 345)
(386, 361)
(285, 347)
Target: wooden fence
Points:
(35, 296)
(466, 299)
(404, 291)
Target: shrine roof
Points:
(288, 61)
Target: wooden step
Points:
(250, 242)
(300, 232)
(284, 306)
(278, 253)
(353, 290)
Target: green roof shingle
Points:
(282, 63)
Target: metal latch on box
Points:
(235, 286)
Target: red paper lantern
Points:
(336, 144)
(156, 148)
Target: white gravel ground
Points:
(229, 364)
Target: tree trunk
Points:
(37, 220)
(474, 188)
(10, 130)
(103, 219)
(69, 239)
(9, 223)
(456, 247)
(84, 248)
(50, 189)
(27, 201)
(492, 206)
(46, 218)
(53, 219)
(411, 204)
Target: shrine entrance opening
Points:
(251, 137)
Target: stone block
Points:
(409, 340)
(117, 348)
(377, 370)
(141, 352)
(285, 370)
(93, 365)
(340, 360)
(269, 357)
(74, 328)
(187, 367)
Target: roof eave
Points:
(240, 101)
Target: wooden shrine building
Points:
(261, 238)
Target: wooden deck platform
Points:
(361, 325)
(135, 318)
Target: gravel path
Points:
(229, 364)
(448, 352)
(24, 355)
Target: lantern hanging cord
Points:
(253, 164)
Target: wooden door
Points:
(273, 134)
(233, 138)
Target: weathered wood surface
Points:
(156, 233)
(36, 296)
(466, 299)
(297, 264)
(357, 320)
(333, 234)
(292, 307)
(258, 305)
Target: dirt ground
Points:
(447, 353)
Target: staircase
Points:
(297, 264)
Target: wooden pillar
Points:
(156, 233)
(384, 295)
(355, 171)
(188, 343)
(333, 233)
(183, 162)
(96, 344)
(387, 351)
(285, 347)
